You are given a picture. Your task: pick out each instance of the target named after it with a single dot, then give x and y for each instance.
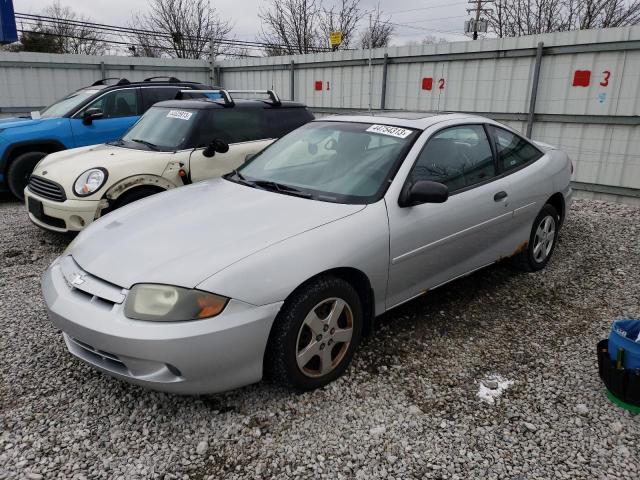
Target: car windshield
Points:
(69, 103)
(164, 129)
(332, 161)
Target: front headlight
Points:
(164, 303)
(90, 182)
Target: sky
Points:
(419, 18)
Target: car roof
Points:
(194, 85)
(206, 103)
(416, 120)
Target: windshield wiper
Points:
(152, 146)
(280, 188)
(269, 185)
(116, 142)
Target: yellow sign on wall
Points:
(335, 38)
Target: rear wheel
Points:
(542, 241)
(315, 334)
(20, 170)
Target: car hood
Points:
(82, 158)
(19, 122)
(184, 236)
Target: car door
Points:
(518, 158)
(431, 244)
(243, 128)
(120, 109)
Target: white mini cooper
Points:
(175, 143)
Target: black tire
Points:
(289, 329)
(530, 260)
(135, 195)
(20, 170)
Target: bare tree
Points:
(291, 26)
(526, 17)
(343, 18)
(379, 33)
(181, 29)
(62, 32)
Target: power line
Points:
(112, 29)
(394, 12)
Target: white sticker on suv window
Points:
(182, 115)
(391, 131)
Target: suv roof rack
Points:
(170, 79)
(227, 95)
(103, 81)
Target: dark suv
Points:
(100, 113)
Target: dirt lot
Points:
(407, 408)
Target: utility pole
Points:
(370, 67)
(479, 9)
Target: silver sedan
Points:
(280, 267)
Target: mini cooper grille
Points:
(47, 189)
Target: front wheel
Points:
(315, 334)
(542, 241)
(20, 170)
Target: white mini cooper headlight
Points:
(165, 303)
(90, 182)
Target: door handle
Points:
(499, 196)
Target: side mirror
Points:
(216, 146)
(424, 191)
(90, 115)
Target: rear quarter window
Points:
(513, 151)
(281, 121)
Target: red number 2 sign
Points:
(605, 78)
(441, 84)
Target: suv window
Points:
(513, 150)
(118, 103)
(232, 126)
(458, 157)
(151, 96)
(281, 121)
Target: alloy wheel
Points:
(544, 239)
(324, 337)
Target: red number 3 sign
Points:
(605, 78)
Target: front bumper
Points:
(67, 216)
(202, 356)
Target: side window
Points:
(151, 96)
(116, 104)
(233, 125)
(513, 151)
(458, 157)
(281, 121)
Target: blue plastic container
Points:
(624, 333)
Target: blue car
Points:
(100, 113)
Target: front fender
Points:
(359, 241)
(143, 180)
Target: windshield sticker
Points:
(391, 131)
(180, 114)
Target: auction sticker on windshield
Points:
(180, 114)
(391, 131)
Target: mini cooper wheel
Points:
(542, 241)
(315, 334)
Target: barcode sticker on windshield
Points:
(391, 131)
(182, 115)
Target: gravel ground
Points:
(407, 408)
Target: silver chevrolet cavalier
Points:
(280, 267)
